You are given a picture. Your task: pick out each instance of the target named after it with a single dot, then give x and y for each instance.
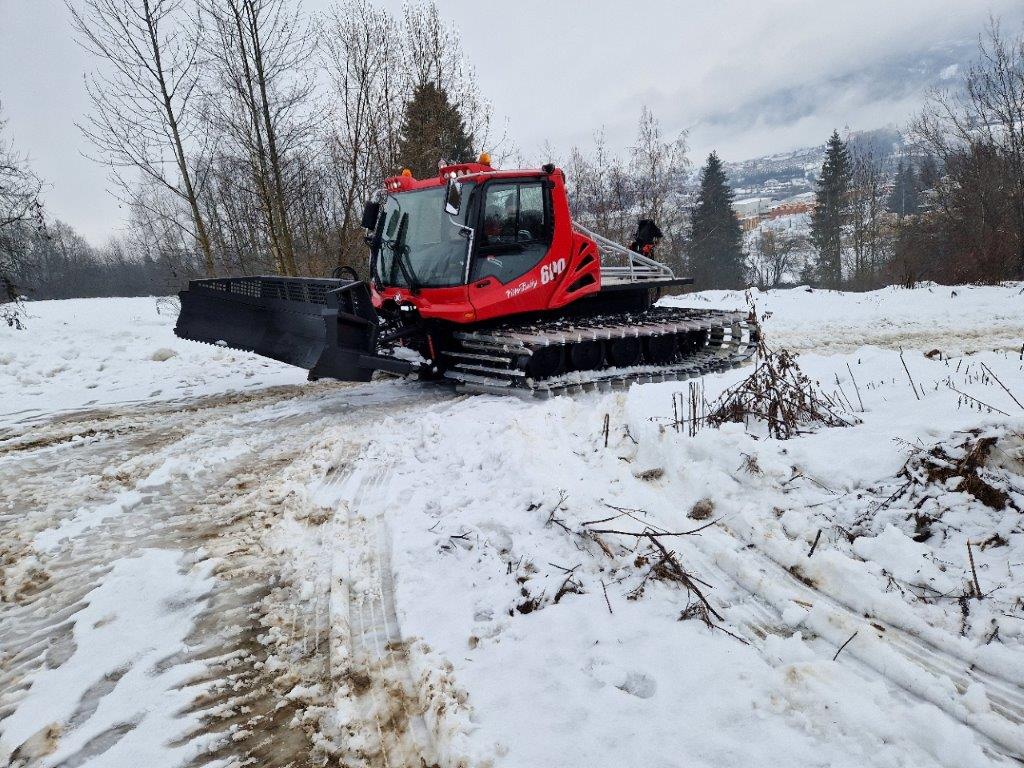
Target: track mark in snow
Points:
(107, 697)
(388, 728)
(63, 429)
(250, 677)
(910, 663)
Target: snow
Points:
(139, 614)
(84, 519)
(954, 320)
(82, 353)
(452, 579)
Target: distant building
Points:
(752, 206)
(789, 208)
(754, 211)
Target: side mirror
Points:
(452, 198)
(370, 213)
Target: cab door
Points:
(514, 237)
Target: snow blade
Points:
(327, 326)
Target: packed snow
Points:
(203, 556)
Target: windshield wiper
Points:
(401, 251)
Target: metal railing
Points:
(637, 267)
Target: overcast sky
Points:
(744, 78)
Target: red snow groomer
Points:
(480, 276)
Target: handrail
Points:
(638, 266)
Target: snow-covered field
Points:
(82, 353)
(205, 559)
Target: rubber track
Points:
(496, 360)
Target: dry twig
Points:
(845, 644)
(913, 386)
(1000, 383)
(974, 572)
(814, 546)
(606, 600)
(856, 388)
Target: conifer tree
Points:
(904, 198)
(716, 255)
(831, 211)
(432, 131)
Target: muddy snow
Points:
(206, 560)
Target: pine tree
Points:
(904, 198)
(716, 255)
(831, 210)
(432, 131)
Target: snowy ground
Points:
(81, 353)
(206, 560)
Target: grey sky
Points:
(744, 78)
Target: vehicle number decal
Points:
(550, 271)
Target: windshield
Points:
(419, 240)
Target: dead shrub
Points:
(965, 461)
(780, 397)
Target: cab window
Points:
(516, 230)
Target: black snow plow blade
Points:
(327, 326)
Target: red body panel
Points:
(570, 270)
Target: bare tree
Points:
(868, 217)
(601, 190)
(433, 53)
(261, 99)
(775, 256)
(976, 133)
(375, 62)
(610, 194)
(658, 167)
(143, 103)
(364, 61)
(20, 213)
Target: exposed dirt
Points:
(264, 641)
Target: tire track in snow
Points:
(371, 660)
(175, 517)
(248, 706)
(55, 429)
(41, 464)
